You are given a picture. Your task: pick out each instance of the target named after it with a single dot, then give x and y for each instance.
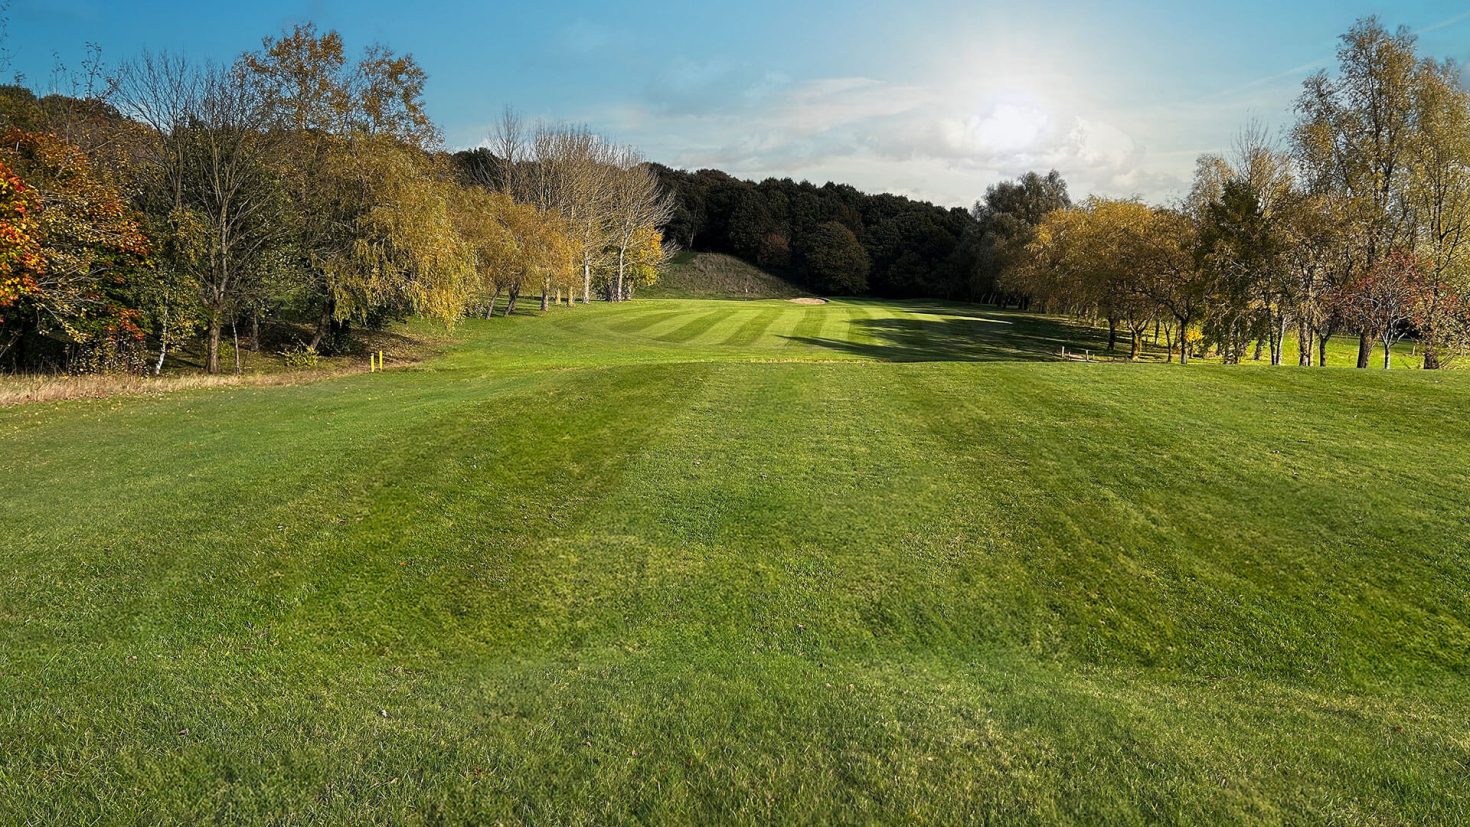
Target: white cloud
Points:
(878, 135)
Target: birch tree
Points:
(638, 202)
(1354, 135)
(1438, 195)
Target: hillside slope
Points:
(694, 275)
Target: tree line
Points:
(1355, 225)
(173, 204)
(832, 238)
(1358, 225)
(176, 202)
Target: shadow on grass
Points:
(966, 333)
(267, 355)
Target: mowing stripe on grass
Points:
(644, 320)
(753, 327)
(859, 332)
(730, 319)
(694, 327)
(810, 326)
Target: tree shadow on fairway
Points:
(914, 332)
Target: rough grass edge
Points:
(28, 389)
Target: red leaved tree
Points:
(75, 282)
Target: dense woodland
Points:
(178, 205)
(172, 205)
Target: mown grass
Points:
(702, 562)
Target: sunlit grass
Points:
(712, 562)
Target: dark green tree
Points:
(835, 260)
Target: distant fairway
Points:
(750, 562)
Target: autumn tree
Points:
(1085, 260)
(89, 246)
(1381, 300)
(1318, 259)
(637, 203)
(357, 134)
(1005, 222)
(572, 174)
(20, 252)
(544, 254)
(1438, 196)
(480, 217)
(1354, 137)
(1170, 275)
(405, 253)
(646, 258)
(209, 168)
(564, 170)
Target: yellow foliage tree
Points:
(406, 251)
(645, 258)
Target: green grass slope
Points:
(744, 562)
(694, 275)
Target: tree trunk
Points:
(1112, 334)
(211, 363)
(510, 302)
(1365, 350)
(1183, 341)
(1386, 349)
(1322, 349)
(255, 331)
(586, 279)
(1303, 344)
(162, 342)
(235, 343)
(619, 295)
(1431, 357)
(324, 324)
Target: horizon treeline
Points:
(299, 189)
(1355, 223)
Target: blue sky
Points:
(929, 98)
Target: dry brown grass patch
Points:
(27, 388)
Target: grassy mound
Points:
(698, 562)
(718, 276)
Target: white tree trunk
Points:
(162, 342)
(621, 260)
